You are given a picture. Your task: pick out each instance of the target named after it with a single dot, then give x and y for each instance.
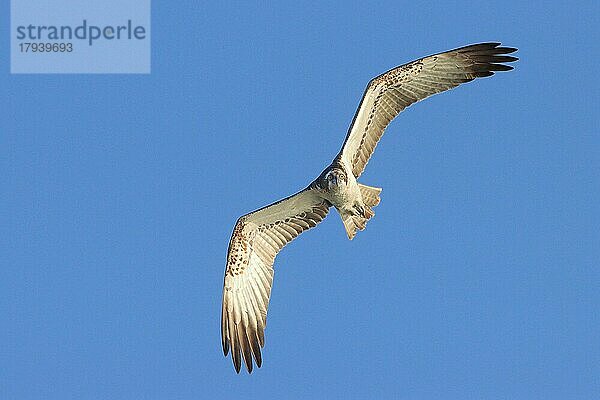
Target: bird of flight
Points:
(260, 235)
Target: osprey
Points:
(260, 235)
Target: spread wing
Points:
(390, 93)
(256, 240)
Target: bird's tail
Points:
(370, 197)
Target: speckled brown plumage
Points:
(391, 92)
(255, 241)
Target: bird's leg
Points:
(359, 210)
(362, 210)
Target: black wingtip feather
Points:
(484, 74)
(487, 48)
(225, 348)
(246, 352)
(506, 50)
(255, 347)
(235, 352)
(501, 59)
(499, 67)
(489, 57)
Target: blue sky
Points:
(477, 278)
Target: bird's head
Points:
(335, 178)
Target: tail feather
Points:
(352, 223)
(370, 195)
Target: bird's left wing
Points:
(256, 240)
(390, 93)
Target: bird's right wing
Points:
(390, 93)
(256, 240)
